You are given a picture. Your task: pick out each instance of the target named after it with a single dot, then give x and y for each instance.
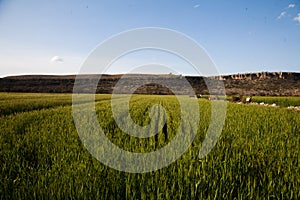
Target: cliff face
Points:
(261, 76)
(263, 83)
(266, 83)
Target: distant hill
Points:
(251, 84)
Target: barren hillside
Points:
(263, 83)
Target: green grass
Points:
(22, 102)
(41, 155)
(280, 101)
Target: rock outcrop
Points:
(251, 84)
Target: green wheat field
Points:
(42, 157)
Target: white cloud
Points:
(297, 19)
(282, 14)
(196, 6)
(57, 59)
(291, 5)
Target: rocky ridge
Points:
(250, 84)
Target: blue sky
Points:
(55, 37)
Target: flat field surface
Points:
(41, 155)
